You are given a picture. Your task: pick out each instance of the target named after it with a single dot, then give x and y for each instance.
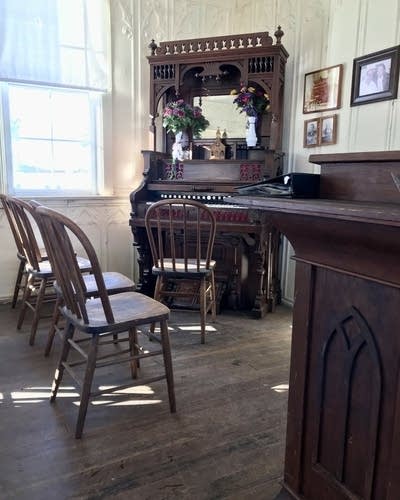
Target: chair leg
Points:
(18, 281)
(87, 385)
(68, 334)
(157, 296)
(166, 348)
(25, 298)
(214, 298)
(134, 351)
(38, 308)
(54, 326)
(157, 289)
(203, 309)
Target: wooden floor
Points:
(226, 440)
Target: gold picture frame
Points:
(322, 89)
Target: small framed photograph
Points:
(375, 77)
(322, 89)
(328, 129)
(311, 133)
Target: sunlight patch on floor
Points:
(40, 394)
(33, 395)
(280, 388)
(139, 389)
(197, 328)
(131, 402)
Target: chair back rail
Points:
(5, 201)
(23, 214)
(56, 228)
(180, 224)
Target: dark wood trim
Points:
(298, 378)
(361, 157)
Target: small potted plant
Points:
(181, 119)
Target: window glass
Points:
(52, 139)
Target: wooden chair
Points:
(98, 318)
(181, 235)
(40, 276)
(114, 282)
(20, 280)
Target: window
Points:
(52, 140)
(52, 81)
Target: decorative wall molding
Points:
(126, 20)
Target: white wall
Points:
(318, 33)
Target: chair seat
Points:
(45, 270)
(129, 309)
(114, 282)
(180, 270)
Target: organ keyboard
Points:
(245, 249)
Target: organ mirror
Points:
(222, 115)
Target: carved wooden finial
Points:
(278, 35)
(153, 47)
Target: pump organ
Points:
(246, 249)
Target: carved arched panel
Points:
(348, 358)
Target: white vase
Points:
(181, 146)
(251, 136)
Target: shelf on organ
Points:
(220, 170)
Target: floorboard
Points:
(226, 440)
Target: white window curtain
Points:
(55, 42)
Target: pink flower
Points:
(197, 112)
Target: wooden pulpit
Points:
(343, 425)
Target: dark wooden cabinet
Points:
(343, 428)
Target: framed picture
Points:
(311, 133)
(322, 89)
(320, 131)
(328, 129)
(375, 77)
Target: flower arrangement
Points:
(250, 101)
(178, 116)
